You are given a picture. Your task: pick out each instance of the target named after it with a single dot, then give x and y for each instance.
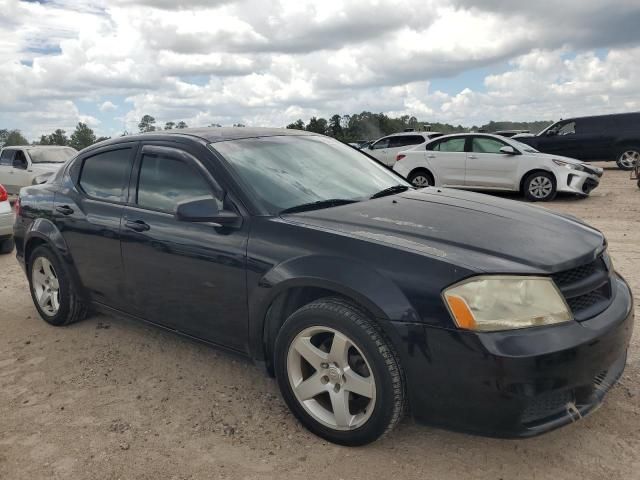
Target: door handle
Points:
(137, 225)
(64, 209)
(472, 156)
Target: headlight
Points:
(570, 166)
(490, 303)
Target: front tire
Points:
(628, 158)
(540, 187)
(338, 373)
(52, 290)
(6, 246)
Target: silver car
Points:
(478, 161)
(20, 166)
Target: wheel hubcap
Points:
(540, 187)
(629, 158)
(331, 378)
(420, 181)
(45, 285)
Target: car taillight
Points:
(399, 157)
(3, 194)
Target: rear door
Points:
(487, 167)
(187, 276)
(6, 170)
(87, 210)
(399, 143)
(446, 159)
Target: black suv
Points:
(603, 137)
(364, 296)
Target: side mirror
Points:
(370, 146)
(551, 133)
(205, 210)
(508, 150)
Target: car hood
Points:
(469, 229)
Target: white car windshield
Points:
(51, 155)
(290, 171)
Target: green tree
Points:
(215, 125)
(58, 137)
(169, 125)
(297, 125)
(317, 125)
(335, 127)
(182, 124)
(12, 137)
(239, 125)
(44, 140)
(82, 137)
(147, 124)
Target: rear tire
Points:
(628, 158)
(6, 246)
(54, 294)
(355, 382)
(540, 187)
(421, 179)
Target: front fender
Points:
(343, 276)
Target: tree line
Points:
(370, 126)
(347, 128)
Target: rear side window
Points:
(105, 175)
(450, 145)
(164, 182)
(384, 143)
(6, 157)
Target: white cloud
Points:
(107, 106)
(268, 62)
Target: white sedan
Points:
(477, 161)
(6, 223)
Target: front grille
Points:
(547, 405)
(587, 288)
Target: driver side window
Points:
(486, 145)
(567, 129)
(20, 161)
(384, 143)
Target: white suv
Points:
(386, 148)
(20, 166)
(476, 161)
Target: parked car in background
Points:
(360, 293)
(386, 148)
(22, 165)
(481, 161)
(510, 133)
(6, 223)
(613, 137)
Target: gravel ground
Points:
(109, 398)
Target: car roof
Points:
(606, 115)
(35, 147)
(474, 134)
(219, 134)
(409, 133)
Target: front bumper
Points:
(580, 183)
(516, 383)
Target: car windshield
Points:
(524, 147)
(288, 171)
(51, 155)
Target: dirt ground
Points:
(113, 399)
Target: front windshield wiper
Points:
(331, 202)
(390, 191)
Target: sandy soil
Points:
(110, 399)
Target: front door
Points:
(379, 150)
(22, 173)
(187, 276)
(488, 168)
(6, 170)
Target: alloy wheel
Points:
(331, 378)
(46, 287)
(420, 181)
(540, 187)
(629, 158)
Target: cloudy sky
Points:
(270, 62)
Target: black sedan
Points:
(364, 297)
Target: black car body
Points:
(234, 284)
(614, 137)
